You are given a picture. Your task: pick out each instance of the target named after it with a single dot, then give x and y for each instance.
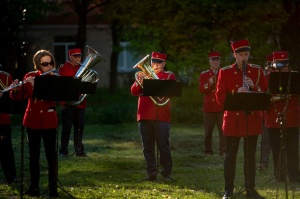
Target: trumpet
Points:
(24, 82)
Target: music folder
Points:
(247, 101)
(278, 82)
(160, 87)
(52, 88)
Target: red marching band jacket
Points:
(210, 102)
(234, 122)
(39, 114)
(147, 110)
(7, 81)
(272, 117)
(69, 69)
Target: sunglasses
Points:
(47, 63)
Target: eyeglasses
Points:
(47, 63)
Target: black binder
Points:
(159, 87)
(250, 101)
(278, 82)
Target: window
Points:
(126, 58)
(61, 45)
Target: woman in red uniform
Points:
(40, 120)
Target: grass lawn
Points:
(115, 167)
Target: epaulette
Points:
(32, 72)
(169, 72)
(254, 66)
(206, 71)
(4, 73)
(226, 67)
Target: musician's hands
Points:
(242, 89)
(211, 81)
(249, 82)
(30, 79)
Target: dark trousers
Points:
(265, 145)
(34, 143)
(210, 118)
(7, 157)
(232, 144)
(152, 132)
(291, 145)
(72, 115)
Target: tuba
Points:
(86, 74)
(148, 73)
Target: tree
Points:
(186, 30)
(15, 16)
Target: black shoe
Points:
(32, 192)
(151, 177)
(53, 194)
(227, 194)
(62, 155)
(167, 178)
(13, 180)
(80, 154)
(253, 194)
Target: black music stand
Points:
(284, 84)
(247, 101)
(156, 88)
(57, 88)
(7, 105)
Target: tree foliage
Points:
(187, 30)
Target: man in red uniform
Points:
(72, 114)
(236, 124)
(154, 122)
(284, 135)
(213, 112)
(7, 157)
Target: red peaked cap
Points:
(214, 54)
(280, 56)
(240, 45)
(269, 58)
(75, 51)
(159, 57)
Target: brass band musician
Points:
(154, 122)
(213, 112)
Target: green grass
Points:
(116, 166)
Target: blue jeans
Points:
(152, 132)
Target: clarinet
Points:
(245, 76)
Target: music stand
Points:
(57, 88)
(9, 106)
(247, 101)
(159, 87)
(284, 84)
(279, 82)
